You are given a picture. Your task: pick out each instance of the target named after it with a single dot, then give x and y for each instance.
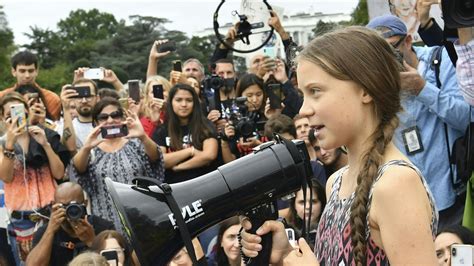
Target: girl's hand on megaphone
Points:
(251, 243)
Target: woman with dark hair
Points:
(298, 209)
(111, 240)
(228, 249)
(187, 140)
(118, 157)
(240, 141)
(448, 236)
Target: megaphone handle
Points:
(257, 217)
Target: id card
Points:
(412, 140)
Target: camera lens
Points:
(453, 251)
(74, 211)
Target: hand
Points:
(303, 255)
(154, 50)
(280, 72)
(91, 140)
(274, 22)
(214, 115)
(135, 128)
(155, 105)
(267, 64)
(251, 243)
(13, 132)
(423, 11)
(109, 76)
(249, 143)
(269, 113)
(230, 38)
(58, 215)
(37, 112)
(84, 231)
(133, 106)
(411, 81)
(38, 134)
(177, 77)
(67, 94)
(229, 130)
(79, 73)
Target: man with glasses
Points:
(432, 118)
(74, 131)
(65, 236)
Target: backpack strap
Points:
(436, 57)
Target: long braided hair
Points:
(362, 56)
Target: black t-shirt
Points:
(160, 136)
(60, 253)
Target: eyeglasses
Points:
(114, 115)
(397, 43)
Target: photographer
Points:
(123, 152)
(187, 140)
(31, 160)
(69, 230)
(244, 131)
(74, 131)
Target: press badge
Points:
(412, 140)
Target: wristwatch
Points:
(10, 154)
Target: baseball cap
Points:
(395, 25)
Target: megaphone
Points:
(270, 172)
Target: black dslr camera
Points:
(75, 211)
(213, 82)
(458, 13)
(246, 123)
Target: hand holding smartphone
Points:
(169, 46)
(94, 73)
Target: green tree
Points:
(324, 27)
(360, 15)
(6, 49)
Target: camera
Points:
(167, 46)
(94, 73)
(114, 131)
(246, 123)
(213, 81)
(458, 13)
(75, 211)
(82, 91)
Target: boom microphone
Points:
(240, 187)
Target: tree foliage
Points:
(6, 48)
(97, 39)
(360, 15)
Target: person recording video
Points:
(117, 148)
(69, 231)
(32, 159)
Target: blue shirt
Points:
(429, 111)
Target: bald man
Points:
(63, 237)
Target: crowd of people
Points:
(378, 129)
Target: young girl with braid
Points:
(379, 210)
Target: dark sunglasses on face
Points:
(397, 43)
(113, 115)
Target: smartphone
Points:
(290, 233)
(270, 52)
(18, 110)
(462, 254)
(213, 98)
(82, 91)
(167, 46)
(134, 90)
(124, 103)
(158, 91)
(177, 66)
(114, 131)
(33, 95)
(111, 256)
(94, 73)
(274, 92)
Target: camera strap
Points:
(183, 229)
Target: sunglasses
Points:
(114, 115)
(397, 43)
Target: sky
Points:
(186, 15)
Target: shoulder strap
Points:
(436, 63)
